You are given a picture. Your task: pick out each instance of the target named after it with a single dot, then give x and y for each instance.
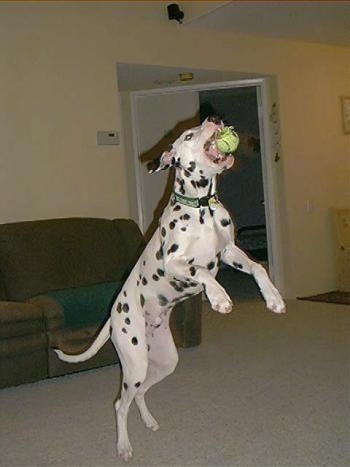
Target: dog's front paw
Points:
(222, 304)
(275, 303)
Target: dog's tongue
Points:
(214, 154)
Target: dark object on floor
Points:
(341, 298)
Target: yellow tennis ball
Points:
(227, 141)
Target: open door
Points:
(156, 114)
(241, 189)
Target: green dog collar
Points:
(211, 201)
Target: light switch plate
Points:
(108, 138)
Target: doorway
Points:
(161, 109)
(241, 189)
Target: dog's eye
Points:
(188, 136)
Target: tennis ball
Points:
(227, 141)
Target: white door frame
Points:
(266, 142)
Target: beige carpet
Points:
(262, 390)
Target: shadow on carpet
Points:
(338, 297)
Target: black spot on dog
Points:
(142, 300)
(225, 222)
(155, 277)
(126, 308)
(211, 265)
(119, 307)
(144, 262)
(190, 261)
(144, 281)
(185, 217)
(192, 166)
(148, 347)
(134, 341)
(125, 386)
(177, 207)
(183, 229)
(160, 272)
(237, 265)
(137, 385)
(192, 271)
(125, 294)
(162, 300)
(127, 321)
(173, 248)
(124, 331)
(177, 286)
(181, 184)
(201, 215)
(159, 254)
(202, 183)
(172, 224)
(163, 232)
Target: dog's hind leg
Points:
(162, 361)
(132, 351)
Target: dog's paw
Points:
(224, 306)
(275, 303)
(125, 451)
(151, 423)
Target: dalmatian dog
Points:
(182, 258)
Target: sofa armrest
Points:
(20, 319)
(52, 311)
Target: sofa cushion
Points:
(37, 256)
(83, 306)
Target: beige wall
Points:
(59, 86)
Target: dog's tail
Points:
(100, 340)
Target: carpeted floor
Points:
(262, 390)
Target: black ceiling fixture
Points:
(174, 12)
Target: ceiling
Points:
(311, 21)
(325, 22)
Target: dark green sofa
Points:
(58, 279)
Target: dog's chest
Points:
(196, 232)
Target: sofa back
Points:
(44, 255)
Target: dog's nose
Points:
(215, 119)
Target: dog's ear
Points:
(163, 162)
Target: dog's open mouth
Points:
(221, 159)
